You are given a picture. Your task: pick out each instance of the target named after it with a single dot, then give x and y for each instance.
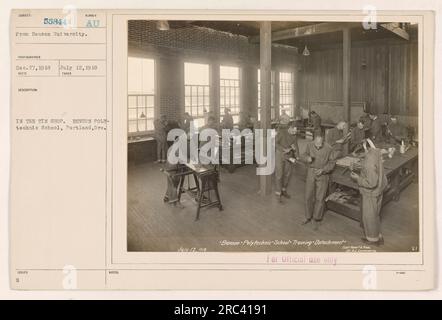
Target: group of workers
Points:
(162, 126)
(320, 158)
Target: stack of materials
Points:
(348, 162)
(349, 196)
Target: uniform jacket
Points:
(322, 158)
(284, 140)
(372, 180)
(357, 135)
(376, 128)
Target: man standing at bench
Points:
(320, 160)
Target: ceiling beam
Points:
(305, 31)
(396, 29)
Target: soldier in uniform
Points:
(372, 182)
(321, 162)
(286, 149)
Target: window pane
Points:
(141, 90)
(132, 101)
(141, 75)
(196, 74)
(132, 126)
(141, 101)
(134, 75)
(150, 113)
(148, 73)
(229, 72)
(141, 113)
(132, 114)
(142, 125)
(149, 101)
(149, 125)
(286, 91)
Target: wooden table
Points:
(206, 180)
(401, 170)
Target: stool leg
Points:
(197, 185)
(180, 187)
(215, 187)
(200, 198)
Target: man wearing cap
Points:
(286, 148)
(320, 160)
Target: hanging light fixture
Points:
(163, 25)
(306, 52)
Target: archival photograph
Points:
(272, 136)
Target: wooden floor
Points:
(247, 216)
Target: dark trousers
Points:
(371, 219)
(172, 189)
(316, 188)
(283, 171)
(161, 150)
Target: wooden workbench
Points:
(206, 180)
(401, 170)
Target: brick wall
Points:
(171, 48)
(170, 87)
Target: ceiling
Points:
(248, 28)
(251, 29)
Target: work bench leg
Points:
(415, 169)
(396, 188)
